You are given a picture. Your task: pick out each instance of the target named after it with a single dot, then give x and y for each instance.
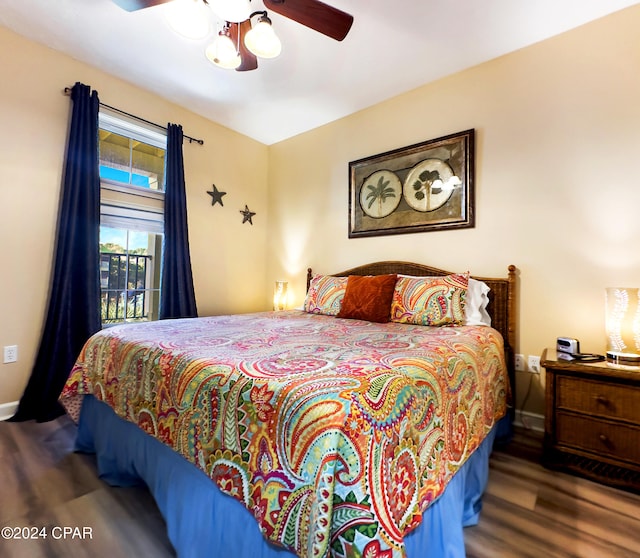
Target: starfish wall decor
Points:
(247, 215)
(216, 195)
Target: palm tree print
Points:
(380, 192)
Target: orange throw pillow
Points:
(368, 298)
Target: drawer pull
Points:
(606, 441)
(602, 400)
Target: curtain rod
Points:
(67, 91)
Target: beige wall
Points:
(228, 257)
(557, 190)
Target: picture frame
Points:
(427, 186)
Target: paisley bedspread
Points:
(336, 434)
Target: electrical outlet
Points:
(534, 364)
(519, 363)
(10, 353)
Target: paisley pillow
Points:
(325, 295)
(431, 301)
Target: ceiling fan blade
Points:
(134, 5)
(314, 14)
(249, 61)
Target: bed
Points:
(305, 432)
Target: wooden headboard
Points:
(501, 307)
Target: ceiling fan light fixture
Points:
(222, 52)
(261, 39)
(188, 18)
(235, 11)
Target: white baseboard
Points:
(7, 410)
(531, 421)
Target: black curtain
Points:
(177, 299)
(73, 313)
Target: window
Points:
(131, 219)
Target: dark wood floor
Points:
(45, 484)
(528, 511)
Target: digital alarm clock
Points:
(568, 348)
(568, 345)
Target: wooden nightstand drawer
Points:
(618, 441)
(592, 421)
(598, 398)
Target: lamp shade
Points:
(623, 325)
(222, 52)
(280, 294)
(262, 40)
(189, 18)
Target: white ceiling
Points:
(393, 46)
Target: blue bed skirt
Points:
(202, 521)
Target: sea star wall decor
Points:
(216, 195)
(247, 215)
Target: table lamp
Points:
(623, 325)
(280, 295)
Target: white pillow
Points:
(475, 306)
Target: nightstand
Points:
(592, 422)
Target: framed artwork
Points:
(424, 187)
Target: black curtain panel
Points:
(73, 312)
(177, 299)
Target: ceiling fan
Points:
(313, 14)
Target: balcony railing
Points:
(124, 280)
